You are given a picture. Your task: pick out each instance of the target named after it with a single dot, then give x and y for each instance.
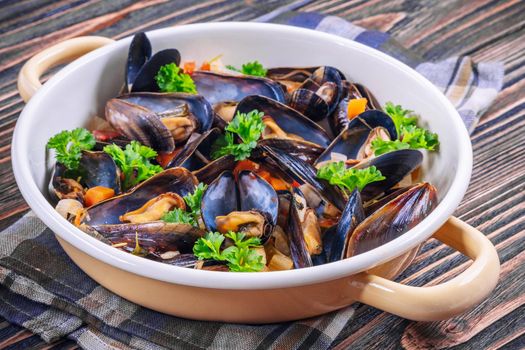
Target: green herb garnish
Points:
(240, 257)
(69, 145)
(248, 127)
(193, 201)
(134, 162)
(337, 174)
(250, 68)
(409, 135)
(170, 78)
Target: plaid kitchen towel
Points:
(42, 290)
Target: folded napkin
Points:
(42, 290)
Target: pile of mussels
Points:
(305, 222)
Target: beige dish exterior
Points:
(372, 287)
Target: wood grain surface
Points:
(495, 202)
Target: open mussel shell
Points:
(352, 216)
(163, 103)
(99, 169)
(248, 193)
(176, 180)
(196, 153)
(353, 139)
(332, 80)
(372, 206)
(145, 79)
(288, 119)
(298, 250)
(138, 123)
(62, 186)
(393, 219)
(297, 74)
(216, 87)
(309, 103)
(139, 53)
(394, 166)
(303, 173)
(303, 150)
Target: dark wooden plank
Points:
(494, 203)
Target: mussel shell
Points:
(59, 189)
(208, 173)
(99, 169)
(196, 153)
(370, 208)
(159, 235)
(302, 172)
(219, 199)
(217, 87)
(139, 53)
(393, 219)
(394, 166)
(298, 250)
(145, 79)
(177, 180)
(139, 123)
(309, 104)
(297, 74)
(352, 139)
(303, 150)
(372, 103)
(255, 193)
(352, 216)
(328, 74)
(164, 102)
(288, 119)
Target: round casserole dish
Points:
(79, 91)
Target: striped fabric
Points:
(42, 290)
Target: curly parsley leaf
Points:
(68, 146)
(337, 174)
(248, 127)
(240, 257)
(134, 162)
(170, 78)
(254, 68)
(193, 201)
(179, 215)
(409, 135)
(209, 246)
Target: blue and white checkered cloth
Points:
(42, 290)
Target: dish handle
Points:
(65, 51)
(444, 300)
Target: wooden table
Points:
(484, 29)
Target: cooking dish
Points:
(80, 91)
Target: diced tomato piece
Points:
(296, 184)
(165, 158)
(105, 135)
(205, 66)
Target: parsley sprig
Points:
(248, 127)
(134, 162)
(337, 174)
(250, 68)
(240, 257)
(409, 134)
(68, 146)
(170, 78)
(193, 201)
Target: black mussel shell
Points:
(371, 207)
(298, 250)
(216, 87)
(139, 53)
(309, 103)
(145, 79)
(208, 173)
(162, 103)
(99, 169)
(288, 119)
(303, 150)
(393, 219)
(220, 198)
(177, 180)
(257, 194)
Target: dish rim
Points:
(247, 281)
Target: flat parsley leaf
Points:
(68, 146)
(240, 257)
(251, 68)
(337, 174)
(409, 135)
(193, 201)
(170, 78)
(134, 162)
(179, 215)
(248, 127)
